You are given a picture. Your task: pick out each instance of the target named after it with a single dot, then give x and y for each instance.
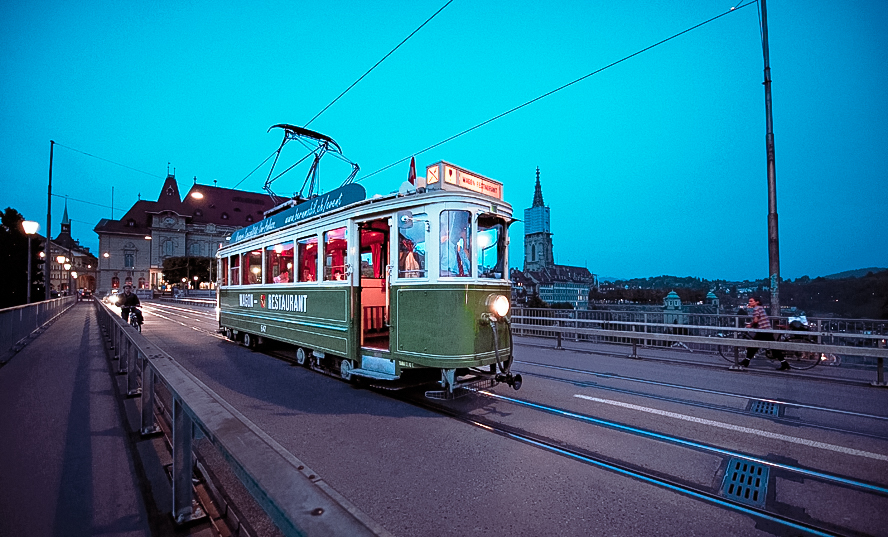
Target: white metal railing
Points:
(19, 322)
(634, 328)
(293, 496)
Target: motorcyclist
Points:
(129, 301)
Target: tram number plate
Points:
(262, 328)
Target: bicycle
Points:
(800, 360)
(134, 319)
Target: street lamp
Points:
(68, 270)
(30, 228)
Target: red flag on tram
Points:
(411, 177)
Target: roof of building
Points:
(203, 204)
(560, 274)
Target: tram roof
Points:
(376, 203)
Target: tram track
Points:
(789, 520)
(721, 408)
(660, 479)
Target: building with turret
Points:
(133, 248)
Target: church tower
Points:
(538, 252)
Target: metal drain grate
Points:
(746, 482)
(764, 407)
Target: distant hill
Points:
(859, 273)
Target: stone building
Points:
(83, 265)
(134, 247)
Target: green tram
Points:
(405, 288)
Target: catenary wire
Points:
(377, 63)
(520, 106)
(109, 161)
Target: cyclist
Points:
(128, 301)
(760, 320)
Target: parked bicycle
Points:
(796, 359)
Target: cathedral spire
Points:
(65, 219)
(538, 192)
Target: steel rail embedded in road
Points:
(706, 390)
(646, 477)
(870, 487)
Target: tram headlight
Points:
(498, 305)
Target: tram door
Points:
(374, 276)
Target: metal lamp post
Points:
(30, 229)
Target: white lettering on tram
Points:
(287, 302)
(246, 301)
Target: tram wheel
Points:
(229, 334)
(301, 356)
(345, 368)
(249, 340)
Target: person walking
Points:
(760, 320)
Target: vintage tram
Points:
(400, 289)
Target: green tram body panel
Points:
(435, 325)
(440, 325)
(318, 318)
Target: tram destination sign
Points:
(335, 199)
(445, 176)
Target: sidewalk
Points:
(65, 460)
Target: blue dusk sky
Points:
(654, 166)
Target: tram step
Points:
(373, 374)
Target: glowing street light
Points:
(30, 228)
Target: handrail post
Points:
(123, 356)
(880, 368)
(132, 386)
(147, 399)
(182, 464)
(558, 346)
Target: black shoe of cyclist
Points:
(744, 362)
(783, 366)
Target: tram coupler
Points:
(514, 381)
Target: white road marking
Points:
(747, 430)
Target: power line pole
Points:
(47, 250)
(773, 237)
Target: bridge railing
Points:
(19, 322)
(648, 329)
(293, 496)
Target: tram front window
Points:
(491, 247)
(456, 243)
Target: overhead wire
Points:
(520, 106)
(109, 161)
(379, 62)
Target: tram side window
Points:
(252, 267)
(223, 271)
(456, 243)
(234, 270)
(374, 249)
(491, 247)
(412, 245)
(308, 259)
(279, 263)
(335, 249)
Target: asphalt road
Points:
(671, 415)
